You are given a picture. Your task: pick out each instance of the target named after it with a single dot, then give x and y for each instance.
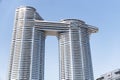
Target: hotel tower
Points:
(28, 47)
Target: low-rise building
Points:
(113, 75)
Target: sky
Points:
(105, 45)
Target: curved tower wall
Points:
(75, 56)
(26, 46)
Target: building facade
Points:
(28, 47)
(113, 75)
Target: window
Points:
(118, 72)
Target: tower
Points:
(28, 47)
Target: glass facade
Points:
(75, 58)
(28, 47)
(27, 53)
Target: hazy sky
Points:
(105, 45)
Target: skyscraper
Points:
(28, 47)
